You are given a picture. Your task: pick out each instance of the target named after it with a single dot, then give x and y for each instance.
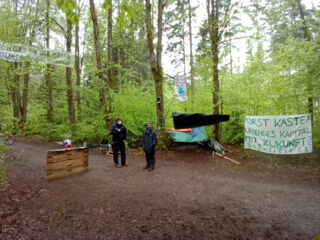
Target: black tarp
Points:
(190, 120)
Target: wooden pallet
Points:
(67, 162)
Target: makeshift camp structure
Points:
(190, 120)
(188, 135)
(189, 128)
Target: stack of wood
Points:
(67, 162)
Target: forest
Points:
(239, 57)
(70, 68)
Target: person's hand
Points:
(118, 129)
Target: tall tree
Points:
(14, 88)
(191, 53)
(51, 117)
(156, 61)
(77, 66)
(98, 63)
(219, 16)
(176, 20)
(306, 36)
(110, 48)
(72, 116)
(294, 24)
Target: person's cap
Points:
(118, 118)
(148, 123)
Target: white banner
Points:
(20, 52)
(284, 134)
(180, 87)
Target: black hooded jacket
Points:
(118, 137)
(149, 139)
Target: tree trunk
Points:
(191, 57)
(119, 81)
(25, 95)
(306, 35)
(213, 18)
(156, 67)
(99, 65)
(72, 117)
(110, 46)
(110, 61)
(15, 94)
(48, 76)
(24, 106)
(77, 67)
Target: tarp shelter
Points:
(196, 132)
(188, 135)
(192, 120)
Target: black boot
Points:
(151, 165)
(147, 166)
(148, 162)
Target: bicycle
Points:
(8, 139)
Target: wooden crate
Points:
(67, 162)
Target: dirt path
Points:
(188, 196)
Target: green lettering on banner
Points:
(290, 134)
(277, 123)
(290, 121)
(250, 139)
(256, 122)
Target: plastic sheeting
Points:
(192, 120)
(195, 135)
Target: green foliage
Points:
(233, 130)
(3, 157)
(164, 140)
(68, 7)
(126, 9)
(274, 81)
(136, 105)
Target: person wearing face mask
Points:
(149, 141)
(119, 134)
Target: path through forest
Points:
(188, 196)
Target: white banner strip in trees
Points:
(284, 134)
(20, 52)
(180, 83)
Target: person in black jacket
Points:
(149, 141)
(119, 134)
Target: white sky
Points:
(238, 53)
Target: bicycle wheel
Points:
(9, 140)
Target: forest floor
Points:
(189, 195)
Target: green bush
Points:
(3, 157)
(233, 130)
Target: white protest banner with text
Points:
(19, 52)
(284, 134)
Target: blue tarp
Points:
(197, 134)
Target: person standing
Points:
(119, 134)
(149, 141)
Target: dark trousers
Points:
(150, 158)
(116, 147)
